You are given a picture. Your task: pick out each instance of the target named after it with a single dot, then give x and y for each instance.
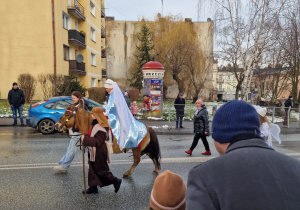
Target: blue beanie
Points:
(233, 119)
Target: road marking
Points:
(115, 162)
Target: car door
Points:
(59, 109)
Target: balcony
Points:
(220, 90)
(220, 80)
(76, 68)
(103, 32)
(103, 73)
(103, 54)
(76, 9)
(77, 38)
(102, 11)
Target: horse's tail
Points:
(153, 149)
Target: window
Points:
(50, 105)
(76, 25)
(77, 79)
(220, 87)
(93, 84)
(76, 53)
(93, 59)
(63, 104)
(66, 21)
(66, 53)
(91, 106)
(93, 34)
(228, 77)
(93, 9)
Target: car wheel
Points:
(46, 126)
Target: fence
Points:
(274, 114)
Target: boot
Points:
(91, 190)
(117, 185)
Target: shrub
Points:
(97, 94)
(28, 84)
(68, 85)
(134, 94)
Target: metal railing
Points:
(281, 115)
(103, 33)
(76, 35)
(78, 7)
(102, 11)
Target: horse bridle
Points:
(64, 124)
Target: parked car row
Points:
(43, 115)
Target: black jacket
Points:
(250, 175)
(16, 97)
(179, 108)
(288, 103)
(201, 123)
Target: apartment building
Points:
(59, 37)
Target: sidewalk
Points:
(162, 127)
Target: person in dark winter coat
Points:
(179, 105)
(201, 127)
(248, 174)
(99, 173)
(16, 100)
(287, 106)
(127, 99)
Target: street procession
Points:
(103, 104)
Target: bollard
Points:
(288, 117)
(169, 116)
(273, 113)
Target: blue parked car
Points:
(45, 114)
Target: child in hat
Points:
(99, 173)
(134, 109)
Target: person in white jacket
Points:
(265, 126)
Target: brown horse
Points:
(74, 117)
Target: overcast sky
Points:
(135, 9)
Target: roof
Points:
(153, 65)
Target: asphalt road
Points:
(28, 181)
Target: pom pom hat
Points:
(233, 119)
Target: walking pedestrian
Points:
(99, 172)
(127, 99)
(67, 159)
(179, 105)
(168, 192)
(248, 174)
(288, 105)
(134, 109)
(16, 100)
(265, 126)
(201, 128)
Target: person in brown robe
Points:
(99, 172)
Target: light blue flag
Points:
(128, 131)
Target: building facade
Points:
(59, 37)
(121, 46)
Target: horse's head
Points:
(67, 120)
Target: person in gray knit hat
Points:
(248, 174)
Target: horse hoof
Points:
(154, 172)
(124, 176)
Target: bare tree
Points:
(250, 26)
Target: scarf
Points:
(197, 110)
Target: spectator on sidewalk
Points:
(248, 174)
(168, 192)
(201, 128)
(127, 99)
(179, 105)
(287, 107)
(16, 100)
(134, 109)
